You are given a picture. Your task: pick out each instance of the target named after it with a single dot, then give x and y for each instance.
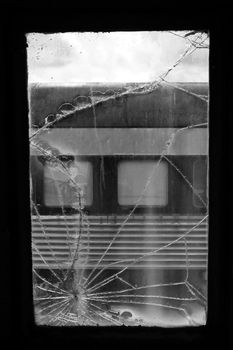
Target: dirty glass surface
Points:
(119, 215)
(57, 189)
(132, 178)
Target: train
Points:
(139, 157)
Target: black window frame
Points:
(21, 20)
(197, 202)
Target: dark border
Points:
(52, 17)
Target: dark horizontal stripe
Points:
(113, 258)
(167, 106)
(131, 257)
(156, 239)
(133, 217)
(167, 266)
(109, 231)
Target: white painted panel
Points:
(138, 141)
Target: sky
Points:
(112, 57)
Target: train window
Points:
(143, 183)
(58, 189)
(199, 183)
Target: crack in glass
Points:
(72, 291)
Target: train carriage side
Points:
(140, 161)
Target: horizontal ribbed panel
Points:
(142, 241)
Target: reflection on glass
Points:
(199, 182)
(58, 189)
(144, 180)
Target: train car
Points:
(139, 158)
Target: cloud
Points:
(111, 57)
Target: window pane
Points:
(143, 262)
(58, 188)
(199, 183)
(143, 182)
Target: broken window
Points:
(119, 208)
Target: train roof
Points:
(119, 105)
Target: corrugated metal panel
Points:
(169, 242)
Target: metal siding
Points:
(55, 235)
(131, 141)
(166, 106)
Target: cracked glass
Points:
(119, 200)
